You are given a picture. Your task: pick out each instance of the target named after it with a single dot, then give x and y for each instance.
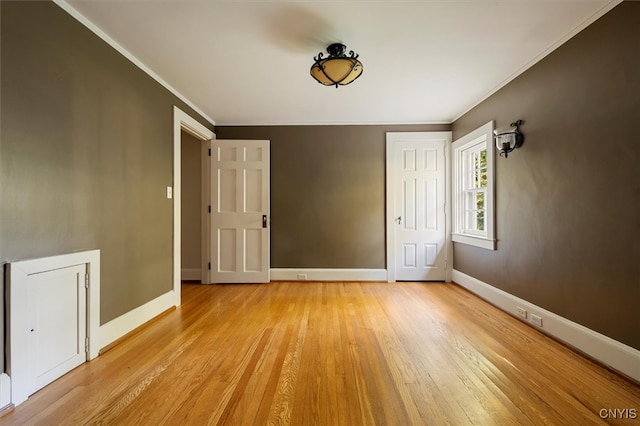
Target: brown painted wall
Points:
(86, 152)
(567, 201)
(327, 193)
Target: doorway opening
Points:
(184, 123)
(192, 203)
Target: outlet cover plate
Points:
(536, 320)
(522, 313)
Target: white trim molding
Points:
(5, 390)
(319, 274)
(183, 121)
(606, 350)
(464, 150)
(118, 327)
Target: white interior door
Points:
(418, 168)
(240, 211)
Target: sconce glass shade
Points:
(338, 69)
(508, 139)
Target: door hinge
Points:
(209, 209)
(86, 344)
(209, 266)
(86, 280)
(209, 152)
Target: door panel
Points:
(409, 256)
(240, 199)
(58, 300)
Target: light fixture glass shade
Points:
(508, 138)
(338, 69)
(506, 141)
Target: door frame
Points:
(183, 121)
(391, 178)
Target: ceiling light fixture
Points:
(338, 69)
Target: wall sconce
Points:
(508, 138)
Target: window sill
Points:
(474, 241)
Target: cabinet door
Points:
(48, 328)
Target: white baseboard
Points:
(294, 274)
(606, 350)
(5, 390)
(191, 274)
(115, 329)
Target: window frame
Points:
(462, 149)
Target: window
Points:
(473, 188)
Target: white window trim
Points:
(483, 133)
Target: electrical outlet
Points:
(536, 320)
(302, 277)
(522, 313)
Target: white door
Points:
(240, 211)
(418, 178)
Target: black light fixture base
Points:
(336, 50)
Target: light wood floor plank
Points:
(316, 353)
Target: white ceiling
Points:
(247, 62)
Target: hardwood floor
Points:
(334, 354)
